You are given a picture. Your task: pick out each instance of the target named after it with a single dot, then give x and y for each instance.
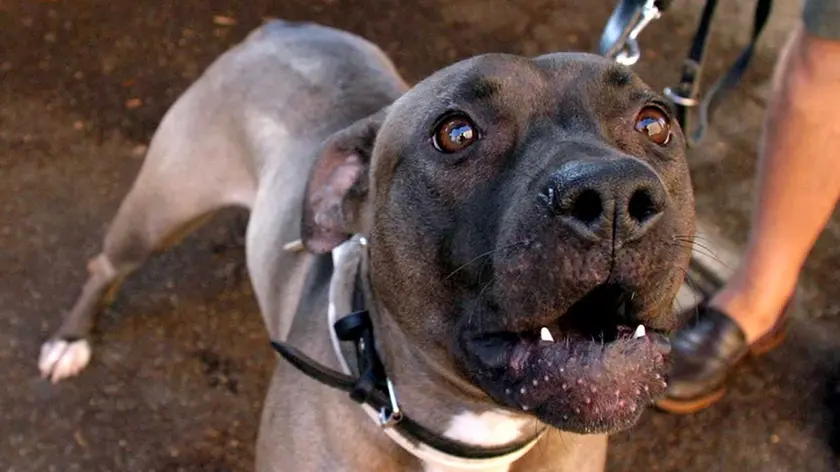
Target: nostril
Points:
(587, 206)
(642, 206)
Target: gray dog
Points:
(506, 233)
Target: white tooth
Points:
(545, 335)
(640, 331)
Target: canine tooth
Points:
(545, 335)
(640, 331)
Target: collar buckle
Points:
(389, 417)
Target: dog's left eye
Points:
(652, 122)
(454, 133)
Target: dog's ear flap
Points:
(338, 185)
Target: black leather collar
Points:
(374, 388)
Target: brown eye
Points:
(454, 134)
(652, 122)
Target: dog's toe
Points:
(61, 359)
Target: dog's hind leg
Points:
(182, 183)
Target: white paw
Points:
(61, 359)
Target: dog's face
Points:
(508, 201)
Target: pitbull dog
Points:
(518, 222)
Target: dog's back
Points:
(281, 90)
(245, 133)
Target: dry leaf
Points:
(139, 151)
(222, 20)
(80, 440)
(133, 103)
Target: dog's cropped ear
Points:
(338, 186)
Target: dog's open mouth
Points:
(602, 315)
(592, 370)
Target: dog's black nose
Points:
(618, 199)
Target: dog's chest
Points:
(489, 428)
(555, 452)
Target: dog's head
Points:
(505, 198)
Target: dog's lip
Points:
(574, 382)
(506, 339)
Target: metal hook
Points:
(631, 53)
(390, 418)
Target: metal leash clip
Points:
(392, 417)
(620, 39)
(631, 53)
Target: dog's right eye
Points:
(454, 133)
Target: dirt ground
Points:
(181, 360)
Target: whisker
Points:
(696, 237)
(704, 250)
(691, 284)
(697, 244)
(480, 294)
(712, 256)
(481, 256)
(536, 430)
(707, 247)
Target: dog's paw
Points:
(61, 359)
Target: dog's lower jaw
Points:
(438, 395)
(580, 386)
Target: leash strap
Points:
(373, 388)
(630, 17)
(686, 94)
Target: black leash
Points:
(373, 388)
(686, 94)
(629, 17)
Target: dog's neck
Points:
(433, 394)
(438, 398)
(428, 389)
